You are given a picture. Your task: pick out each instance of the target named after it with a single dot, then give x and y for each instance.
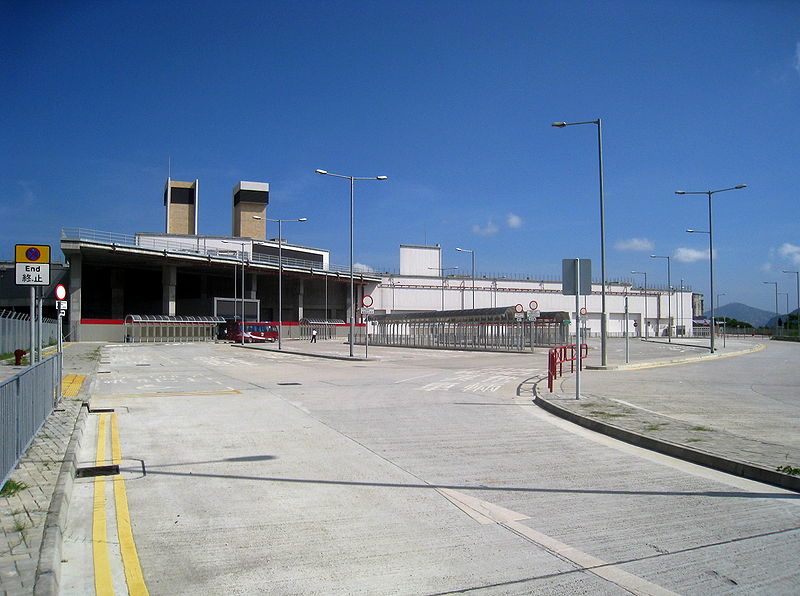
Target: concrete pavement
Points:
(421, 472)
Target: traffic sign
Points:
(32, 264)
(367, 301)
(519, 316)
(583, 310)
(366, 310)
(519, 308)
(534, 305)
(533, 315)
(635, 324)
(61, 304)
(61, 292)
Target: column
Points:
(75, 277)
(300, 294)
(169, 276)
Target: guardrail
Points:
(26, 400)
(557, 356)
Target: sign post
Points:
(366, 310)
(627, 349)
(577, 280)
(32, 268)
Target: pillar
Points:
(300, 294)
(75, 277)
(169, 276)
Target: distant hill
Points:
(771, 322)
(736, 310)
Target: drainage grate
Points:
(289, 383)
(93, 471)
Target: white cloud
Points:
(490, 229)
(642, 244)
(766, 267)
(362, 267)
(690, 255)
(797, 57)
(513, 221)
(791, 252)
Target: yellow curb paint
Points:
(758, 348)
(130, 557)
(103, 584)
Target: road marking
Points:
(102, 567)
(488, 513)
(130, 557)
(71, 385)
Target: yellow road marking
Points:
(71, 385)
(758, 348)
(130, 558)
(102, 567)
(165, 394)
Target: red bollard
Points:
(18, 354)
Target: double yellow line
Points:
(100, 543)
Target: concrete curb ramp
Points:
(674, 361)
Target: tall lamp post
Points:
(241, 244)
(775, 283)
(472, 252)
(441, 271)
(352, 180)
(797, 279)
(646, 325)
(280, 275)
(669, 296)
(603, 315)
(710, 193)
(786, 322)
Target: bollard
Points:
(18, 354)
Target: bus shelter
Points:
(179, 329)
(326, 328)
(492, 329)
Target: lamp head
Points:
(559, 124)
(680, 192)
(381, 177)
(740, 186)
(321, 172)
(303, 219)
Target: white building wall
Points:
(417, 293)
(420, 260)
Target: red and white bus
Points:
(253, 332)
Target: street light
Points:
(441, 271)
(352, 179)
(234, 289)
(797, 278)
(646, 325)
(786, 322)
(669, 294)
(710, 193)
(603, 315)
(280, 276)
(775, 283)
(472, 252)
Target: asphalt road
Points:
(422, 473)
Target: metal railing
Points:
(26, 400)
(557, 356)
(198, 247)
(15, 331)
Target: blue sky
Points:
(452, 100)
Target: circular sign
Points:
(519, 308)
(33, 254)
(61, 292)
(367, 301)
(583, 310)
(635, 324)
(534, 305)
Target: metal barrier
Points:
(178, 329)
(15, 331)
(556, 357)
(326, 328)
(26, 400)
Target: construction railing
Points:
(557, 356)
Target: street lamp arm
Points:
(563, 124)
(326, 173)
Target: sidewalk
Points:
(622, 403)
(25, 514)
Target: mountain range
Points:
(742, 312)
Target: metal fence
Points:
(489, 329)
(15, 331)
(26, 400)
